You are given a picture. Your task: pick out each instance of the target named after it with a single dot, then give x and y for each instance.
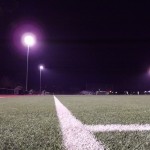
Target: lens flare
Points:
(28, 39)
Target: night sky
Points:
(83, 44)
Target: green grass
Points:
(113, 110)
(29, 123)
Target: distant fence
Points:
(6, 91)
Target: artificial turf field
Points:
(30, 122)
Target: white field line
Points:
(75, 136)
(118, 127)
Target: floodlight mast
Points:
(41, 68)
(28, 40)
(27, 68)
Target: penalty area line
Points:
(75, 135)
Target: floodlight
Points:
(41, 67)
(28, 39)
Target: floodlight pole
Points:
(40, 79)
(27, 67)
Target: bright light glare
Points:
(41, 67)
(28, 39)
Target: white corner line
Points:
(118, 127)
(75, 135)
